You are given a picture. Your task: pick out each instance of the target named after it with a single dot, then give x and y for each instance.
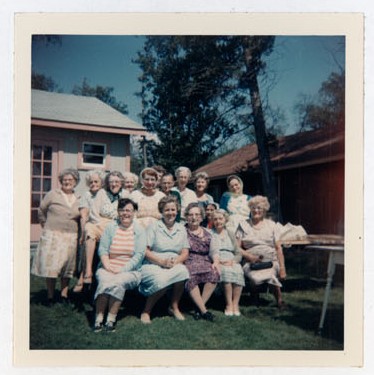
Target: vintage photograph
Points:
(188, 191)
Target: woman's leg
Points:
(197, 299)
(277, 295)
(176, 296)
(228, 289)
(114, 306)
(236, 294)
(64, 287)
(101, 305)
(208, 291)
(90, 251)
(149, 304)
(51, 285)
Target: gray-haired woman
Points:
(59, 217)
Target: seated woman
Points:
(122, 248)
(167, 250)
(258, 239)
(147, 197)
(93, 224)
(202, 262)
(201, 182)
(230, 256)
(235, 202)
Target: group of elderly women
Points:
(157, 238)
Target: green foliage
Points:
(328, 108)
(195, 92)
(105, 94)
(41, 82)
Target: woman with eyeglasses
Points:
(56, 253)
(202, 263)
(121, 251)
(258, 238)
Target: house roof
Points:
(300, 149)
(68, 108)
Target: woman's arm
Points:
(155, 259)
(84, 212)
(182, 257)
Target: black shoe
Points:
(64, 301)
(197, 315)
(49, 302)
(208, 316)
(98, 327)
(110, 326)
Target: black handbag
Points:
(260, 266)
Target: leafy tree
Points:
(200, 91)
(105, 94)
(327, 109)
(41, 82)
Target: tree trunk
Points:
(268, 179)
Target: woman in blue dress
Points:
(232, 275)
(163, 267)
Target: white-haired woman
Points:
(147, 197)
(258, 238)
(59, 217)
(131, 181)
(201, 182)
(183, 176)
(93, 223)
(232, 276)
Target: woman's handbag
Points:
(260, 266)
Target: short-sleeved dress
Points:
(200, 259)
(57, 248)
(166, 244)
(227, 250)
(148, 212)
(260, 241)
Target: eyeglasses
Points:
(257, 208)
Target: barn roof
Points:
(69, 108)
(300, 149)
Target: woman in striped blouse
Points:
(121, 251)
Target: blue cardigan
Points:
(140, 245)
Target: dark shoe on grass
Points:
(98, 327)
(110, 326)
(197, 315)
(208, 316)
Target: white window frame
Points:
(103, 155)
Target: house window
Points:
(93, 153)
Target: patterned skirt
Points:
(231, 274)
(55, 255)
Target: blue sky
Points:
(299, 64)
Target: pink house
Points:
(74, 131)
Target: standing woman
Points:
(167, 183)
(147, 197)
(202, 262)
(59, 217)
(183, 176)
(163, 268)
(130, 181)
(115, 190)
(235, 202)
(232, 275)
(209, 211)
(201, 182)
(121, 251)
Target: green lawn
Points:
(259, 328)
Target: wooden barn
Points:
(74, 131)
(309, 170)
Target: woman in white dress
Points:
(258, 238)
(147, 197)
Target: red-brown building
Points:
(309, 170)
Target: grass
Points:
(259, 328)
